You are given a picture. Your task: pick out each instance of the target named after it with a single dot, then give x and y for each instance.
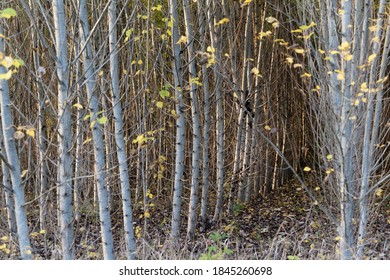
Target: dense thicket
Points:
(128, 117)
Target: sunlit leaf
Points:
(345, 46)
(7, 62)
(7, 13)
(379, 192)
(222, 21)
(299, 51)
(371, 57)
(183, 39)
(159, 104)
(246, 2)
(289, 60)
(102, 120)
(30, 132)
(4, 238)
(6, 76)
(78, 106)
(307, 169)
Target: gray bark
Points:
(131, 250)
(13, 161)
(180, 139)
(64, 132)
(97, 135)
(195, 123)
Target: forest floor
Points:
(283, 225)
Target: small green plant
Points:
(237, 209)
(217, 251)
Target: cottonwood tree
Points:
(131, 252)
(345, 98)
(96, 122)
(65, 173)
(180, 122)
(193, 80)
(11, 161)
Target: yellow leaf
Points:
(341, 76)
(321, 51)
(267, 127)
(348, 57)
(344, 46)
(307, 169)
(289, 60)
(157, 8)
(375, 40)
(24, 173)
(373, 28)
(3, 246)
(140, 62)
(210, 49)
(102, 120)
(6, 76)
(255, 71)
(7, 62)
(306, 75)
(30, 132)
(183, 39)
(296, 31)
(222, 21)
(4, 238)
(42, 231)
(296, 65)
(317, 188)
(337, 238)
(159, 104)
(371, 58)
(299, 51)
(341, 12)
(334, 52)
(264, 34)
(18, 63)
(78, 106)
(246, 2)
(379, 192)
(147, 214)
(364, 87)
(356, 102)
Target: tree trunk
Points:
(13, 162)
(131, 250)
(65, 173)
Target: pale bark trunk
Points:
(64, 132)
(9, 199)
(369, 138)
(180, 139)
(195, 123)
(13, 161)
(131, 250)
(97, 135)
